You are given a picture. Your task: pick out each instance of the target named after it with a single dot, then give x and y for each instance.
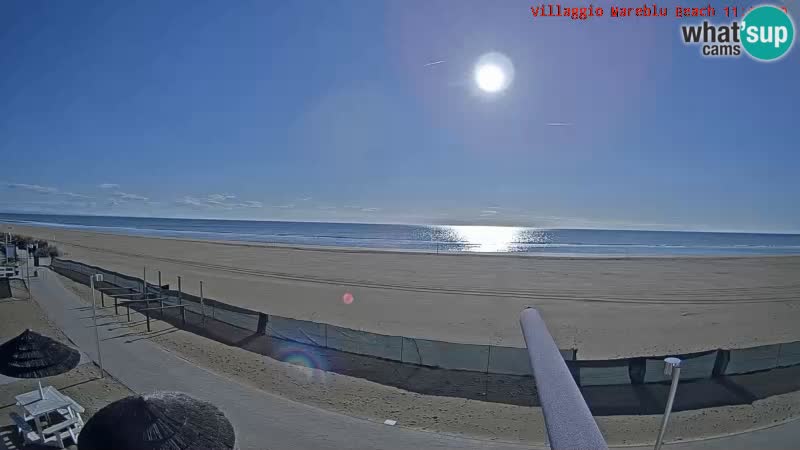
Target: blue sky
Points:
(327, 110)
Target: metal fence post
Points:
(116, 307)
(128, 307)
(147, 315)
(103, 298)
(202, 304)
(180, 302)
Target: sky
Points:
(332, 111)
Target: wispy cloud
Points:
(190, 201)
(433, 63)
(108, 186)
(33, 188)
(558, 124)
(304, 199)
(370, 209)
(74, 195)
(125, 196)
(45, 190)
(220, 197)
(289, 206)
(488, 213)
(217, 201)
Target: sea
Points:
(434, 238)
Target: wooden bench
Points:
(60, 431)
(24, 428)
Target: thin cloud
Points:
(559, 124)
(217, 201)
(289, 206)
(74, 195)
(370, 209)
(128, 196)
(433, 63)
(250, 204)
(48, 190)
(33, 188)
(305, 199)
(220, 197)
(108, 186)
(190, 201)
(488, 212)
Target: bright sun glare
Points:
(493, 72)
(490, 77)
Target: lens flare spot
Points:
(306, 359)
(347, 298)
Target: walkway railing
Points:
(569, 422)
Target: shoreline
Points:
(352, 249)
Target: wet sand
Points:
(604, 307)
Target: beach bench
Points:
(75, 408)
(59, 432)
(24, 428)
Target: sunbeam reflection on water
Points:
(489, 238)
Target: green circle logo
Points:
(767, 33)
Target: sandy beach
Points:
(604, 307)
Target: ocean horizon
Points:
(440, 238)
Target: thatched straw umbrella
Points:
(31, 355)
(159, 421)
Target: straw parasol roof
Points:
(158, 421)
(31, 355)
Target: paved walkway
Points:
(785, 436)
(261, 420)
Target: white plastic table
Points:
(37, 405)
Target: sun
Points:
(490, 78)
(493, 72)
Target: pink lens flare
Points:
(347, 298)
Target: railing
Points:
(569, 422)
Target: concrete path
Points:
(784, 436)
(261, 420)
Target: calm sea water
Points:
(435, 238)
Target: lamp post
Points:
(96, 277)
(671, 366)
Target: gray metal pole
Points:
(96, 333)
(28, 271)
(180, 302)
(202, 304)
(671, 365)
(144, 282)
(569, 422)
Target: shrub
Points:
(22, 241)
